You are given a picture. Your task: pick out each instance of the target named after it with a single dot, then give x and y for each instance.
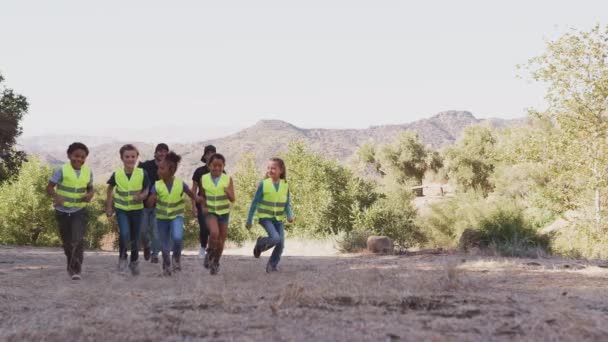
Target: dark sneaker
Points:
(270, 268)
(76, 276)
(257, 250)
(175, 263)
(146, 253)
(206, 261)
(134, 267)
(154, 259)
(214, 268)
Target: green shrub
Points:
(392, 216)
(353, 241)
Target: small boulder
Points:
(470, 239)
(380, 244)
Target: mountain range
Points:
(265, 139)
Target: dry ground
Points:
(317, 296)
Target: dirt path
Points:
(313, 298)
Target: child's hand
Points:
(140, 196)
(109, 211)
(58, 200)
(194, 210)
(87, 198)
(290, 219)
(248, 225)
(205, 210)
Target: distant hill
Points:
(268, 138)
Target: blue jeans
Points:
(129, 224)
(149, 231)
(171, 231)
(276, 239)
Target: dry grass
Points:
(322, 298)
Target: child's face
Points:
(273, 170)
(216, 167)
(129, 158)
(77, 158)
(160, 155)
(164, 170)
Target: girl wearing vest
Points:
(71, 188)
(218, 194)
(167, 194)
(127, 188)
(272, 204)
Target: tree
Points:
(12, 108)
(470, 163)
(406, 160)
(575, 69)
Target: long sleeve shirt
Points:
(258, 197)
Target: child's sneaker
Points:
(134, 266)
(206, 261)
(202, 252)
(122, 265)
(271, 268)
(175, 263)
(146, 253)
(257, 250)
(214, 268)
(154, 259)
(76, 276)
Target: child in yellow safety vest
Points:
(218, 194)
(127, 189)
(71, 188)
(167, 194)
(272, 204)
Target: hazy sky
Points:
(88, 67)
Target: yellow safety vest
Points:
(215, 198)
(127, 188)
(169, 205)
(73, 188)
(273, 201)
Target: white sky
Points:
(89, 67)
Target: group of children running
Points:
(148, 202)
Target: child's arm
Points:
(288, 210)
(151, 201)
(193, 198)
(90, 190)
(50, 189)
(109, 195)
(145, 188)
(254, 205)
(229, 191)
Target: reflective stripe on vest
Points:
(273, 201)
(169, 205)
(73, 188)
(216, 200)
(127, 188)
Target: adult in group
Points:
(196, 187)
(149, 229)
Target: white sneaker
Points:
(202, 252)
(76, 276)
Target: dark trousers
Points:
(72, 228)
(203, 234)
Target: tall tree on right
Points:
(575, 69)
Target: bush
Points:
(353, 241)
(392, 216)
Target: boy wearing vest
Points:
(149, 230)
(127, 188)
(218, 194)
(71, 188)
(272, 205)
(167, 194)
